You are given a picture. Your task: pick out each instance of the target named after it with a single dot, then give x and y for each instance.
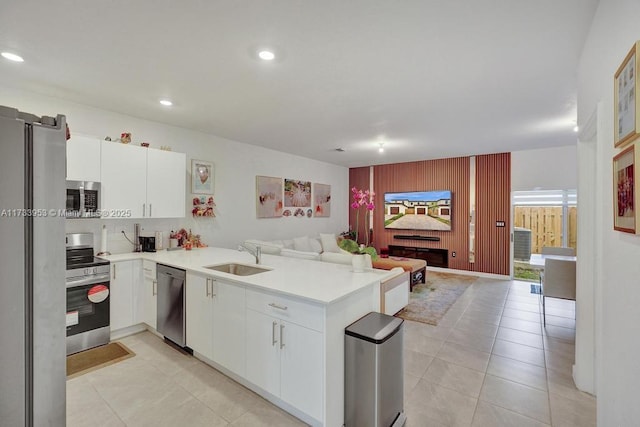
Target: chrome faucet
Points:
(256, 253)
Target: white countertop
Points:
(320, 282)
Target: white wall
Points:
(617, 288)
(236, 167)
(545, 169)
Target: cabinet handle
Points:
(281, 336)
(279, 307)
(114, 271)
(144, 205)
(273, 334)
(207, 287)
(213, 281)
(154, 288)
(150, 210)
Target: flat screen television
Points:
(418, 210)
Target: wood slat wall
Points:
(493, 187)
(493, 202)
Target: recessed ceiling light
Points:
(576, 128)
(12, 57)
(166, 102)
(381, 149)
(266, 55)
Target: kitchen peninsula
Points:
(279, 332)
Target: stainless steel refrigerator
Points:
(32, 269)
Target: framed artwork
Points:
(321, 200)
(626, 106)
(203, 206)
(625, 192)
(202, 177)
(269, 197)
(297, 194)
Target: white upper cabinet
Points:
(150, 183)
(124, 179)
(83, 158)
(166, 181)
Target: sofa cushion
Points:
(292, 253)
(329, 243)
(315, 245)
(336, 258)
(288, 243)
(266, 247)
(302, 244)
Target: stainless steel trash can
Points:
(374, 378)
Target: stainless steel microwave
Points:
(83, 199)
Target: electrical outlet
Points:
(453, 254)
(500, 223)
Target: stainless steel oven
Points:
(83, 199)
(88, 295)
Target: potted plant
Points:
(362, 201)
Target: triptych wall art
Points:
(626, 215)
(284, 197)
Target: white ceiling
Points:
(433, 78)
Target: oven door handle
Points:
(87, 280)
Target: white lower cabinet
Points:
(215, 321)
(285, 358)
(121, 294)
(149, 294)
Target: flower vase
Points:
(358, 263)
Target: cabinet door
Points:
(301, 368)
(199, 315)
(263, 351)
(121, 295)
(83, 158)
(124, 178)
(229, 326)
(149, 294)
(166, 181)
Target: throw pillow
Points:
(315, 245)
(302, 244)
(300, 254)
(329, 243)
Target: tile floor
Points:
(488, 363)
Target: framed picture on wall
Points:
(626, 215)
(269, 193)
(626, 106)
(321, 200)
(202, 177)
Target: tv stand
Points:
(434, 257)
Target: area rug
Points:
(430, 301)
(96, 358)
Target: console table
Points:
(434, 257)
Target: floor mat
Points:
(96, 358)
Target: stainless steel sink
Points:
(238, 269)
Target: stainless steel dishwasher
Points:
(171, 303)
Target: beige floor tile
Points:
(516, 371)
(520, 337)
(410, 383)
(564, 322)
(419, 416)
(489, 305)
(85, 407)
(481, 316)
(562, 384)
(462, 356)
(534, 308)
(266, 415)
(524, 298)
(522, 315)
(478, 328)
(464, 380)
(516, 397)
(420, 343)
(488, 415)
(167, 414)
(224, 396)
(417, 328)
(560, 333)
(523, 353)
(521, 325)
(568, 413)
(559, 362)
(471, 340)
(441, 404)
(555, 345)
(416, 363)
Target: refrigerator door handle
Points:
(114, 270)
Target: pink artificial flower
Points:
(354, 190)
(355, 205)
(370, 206)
